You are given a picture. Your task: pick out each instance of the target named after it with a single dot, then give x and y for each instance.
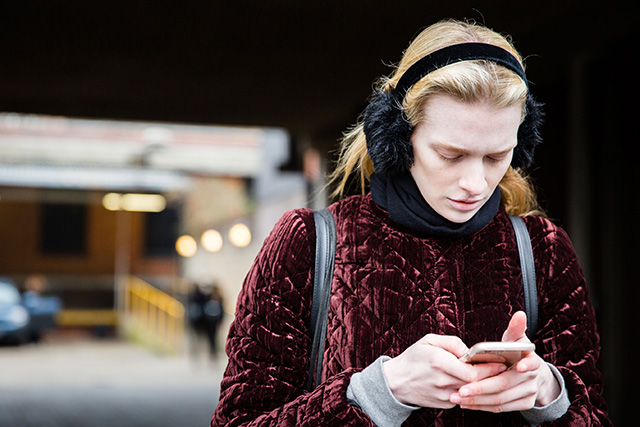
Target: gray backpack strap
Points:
(528, 268)
(322, 278)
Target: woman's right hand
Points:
(429, 372)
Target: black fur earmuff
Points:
(388, 131)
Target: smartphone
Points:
(508, 353)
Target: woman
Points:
(426, 265)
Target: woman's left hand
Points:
(529, 383)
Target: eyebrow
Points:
(451, 147)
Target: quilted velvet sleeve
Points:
(567, 336)
(269, 344)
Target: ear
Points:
(528, 134)
(388, 134)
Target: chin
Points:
(459, 217)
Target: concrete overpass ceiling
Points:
(305, 66)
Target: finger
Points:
(452, 344)
(523, 392)
(522, 404)
(529, 363)
(486, 370)
(492, 385)
(466, 373)
(517, 327)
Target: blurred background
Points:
(148, 148)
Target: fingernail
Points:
(455, 398)
(465, 392)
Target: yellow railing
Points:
(153, 316)
(86, 317)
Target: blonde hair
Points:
(468, 81)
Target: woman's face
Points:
(461, 152)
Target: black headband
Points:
(452, 54)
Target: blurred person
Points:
(42, 308)
(198, 297)
(35, 284)
(213, 313)
(426, 265)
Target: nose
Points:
(473, 179)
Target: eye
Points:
(451, 159)
(496, 158)
(493, 159)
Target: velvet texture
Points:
(390, 288)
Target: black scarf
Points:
(400, 196)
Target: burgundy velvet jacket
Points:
(391, 287)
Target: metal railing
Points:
(86, 317)
(152, 316)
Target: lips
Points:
(465, 205)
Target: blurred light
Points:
(143, 202)
(133, 202)
(111, 201)
(240, 235)
(212, 240)
(186, 246)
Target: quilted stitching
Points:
(390, 288)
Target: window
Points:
(161, 232)
(64, 229)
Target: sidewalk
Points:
(108, 382)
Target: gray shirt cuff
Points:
(370, 391)
(554, 410)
